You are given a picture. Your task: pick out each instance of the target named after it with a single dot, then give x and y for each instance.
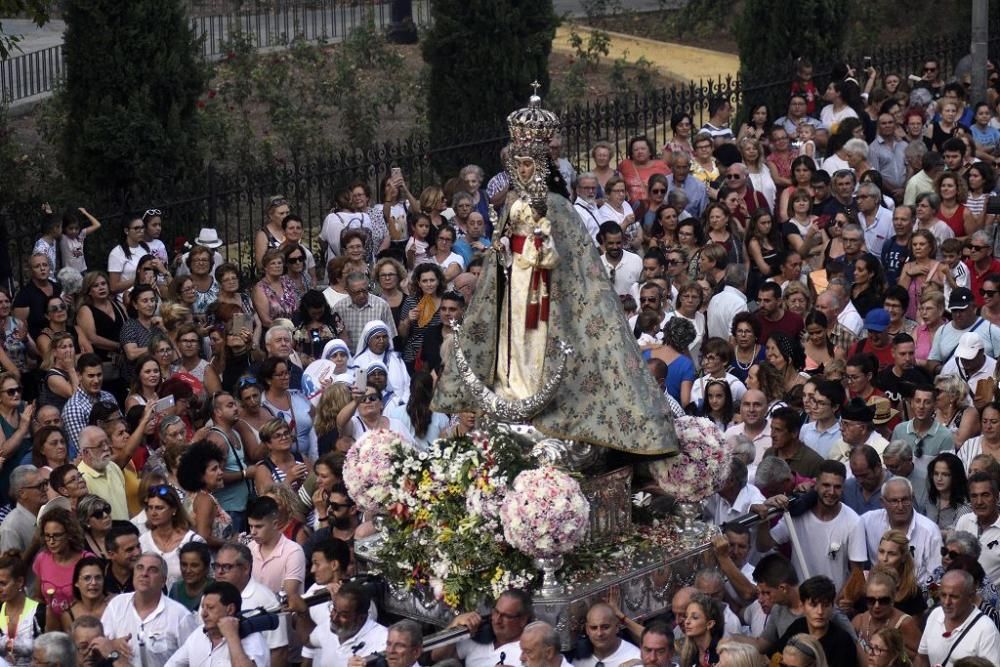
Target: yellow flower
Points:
(451, 599)
(445, 534)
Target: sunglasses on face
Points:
(101, 512)
(57, 308)
(370, 398)
(947, 553)
(339, 506)
(884, 601)
(13, 391)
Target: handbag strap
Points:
(239, 461)
(958, 641)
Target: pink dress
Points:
(922, 339)
(55, 581)
(284, 305)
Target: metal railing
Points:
(31, 74)
(269, 25)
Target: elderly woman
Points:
(472, 177)
(391, 274)
(953, 408)
(169, 528)
(294, 408)
(227, 275)
(199, 472)
(49, 451)
(947, 490)
(376, 345)
(640, 164)
(958, 544)
(199, 261)
(282, 465)
(274, 295)
(796, 298)
(747, 349)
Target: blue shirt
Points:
(696, 193)
(679, 370)
(820, 441)
(894, 256)
(987, 139)
(854, 497)
(464, 248)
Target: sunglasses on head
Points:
(152, 213)
(158, 491)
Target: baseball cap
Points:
(969, 345)
(960, 299)
(877, 319)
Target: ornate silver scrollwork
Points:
(503, 410)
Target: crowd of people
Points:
(822, 285)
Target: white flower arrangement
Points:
(702, 462)
(545, 513)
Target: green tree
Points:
(770, 33)
(483, 56)
(133, 77)
(37, 10)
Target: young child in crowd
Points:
(805, 85)
(804, 135)
(951, 254)
(73, 234)
(648, 325)
(416, 247)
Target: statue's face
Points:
(525, 168)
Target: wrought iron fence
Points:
(269, 24)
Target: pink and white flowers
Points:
(369, 473)
(702, 464)
(545, 513)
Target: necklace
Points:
(736, 357)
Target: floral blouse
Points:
(284, 305)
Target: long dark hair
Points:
(123, 237)
(418, 408)
(728, 408)
(959, 481)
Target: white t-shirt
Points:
(626, 651)
(982, 641)
(843, 541)
(173, 558)
(453, 258)
(255, 595)
(71, 251)
(336, 224)
(126, 266)
(989, 539)
(627, 271)
(831, 119)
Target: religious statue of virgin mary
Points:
(545, 337)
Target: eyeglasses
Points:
(13, 391)
(296, 260)
(899, 502)
(370, 398)
(949, 553)
(53, 537)
(884, 601)
(44, 484)
(188, 341)
(222, 568)
(657, 191)
(871, 649)
(733, 177)
(57, 308)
